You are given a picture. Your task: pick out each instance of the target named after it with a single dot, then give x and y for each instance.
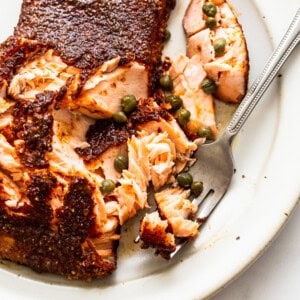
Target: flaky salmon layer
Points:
(230, 69)
(171, 220)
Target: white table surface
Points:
(276, 274)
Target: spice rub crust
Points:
(88, 33)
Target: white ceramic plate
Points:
(264, 191)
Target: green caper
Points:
(166, 82)
(120, 117)
(208, 86)
(120, 163)
(183, 116)
(219, 46)
(184, 180)
(167, 36)
(175, 101)
(197, 188)
(211, 23)
(107, 186)
(128, 104)
(205, 132)
(209, 8)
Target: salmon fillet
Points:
(66, 66)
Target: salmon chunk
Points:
(171, 220)
(150, 158)
(174, 205)
(154, 233)
(188, 74)
(228, 69)
(101, 94)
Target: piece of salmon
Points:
(155, 119)
(44, 193)
(230, 69)
(151, 157)
(156, 148)
(45, 73)
(154, 233)
(101, 95)
(171, 220)
(114, 47)
(188, 74)
(174, 205)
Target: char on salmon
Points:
(62, 76)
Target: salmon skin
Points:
(55, 75)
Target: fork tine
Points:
(197, 201)
(211, 200)
(209, 204)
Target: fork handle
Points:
(279, 56)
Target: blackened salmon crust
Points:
(88, 33)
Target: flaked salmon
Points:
(188, 74)
(171, 220)
(229, 69)
(113, 47)
(156, 147)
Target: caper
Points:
(219, 46)
(120, 117)
(128, 104)
(209, 9)
(167, 36)
(183, 116)
(197, 188)
(208, 86)
(175, 101)
(121, 163)
(211, 23)
(204, 132)
(184, 180)
(107, 186)
(166, 82)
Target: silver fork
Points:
(214, 165)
